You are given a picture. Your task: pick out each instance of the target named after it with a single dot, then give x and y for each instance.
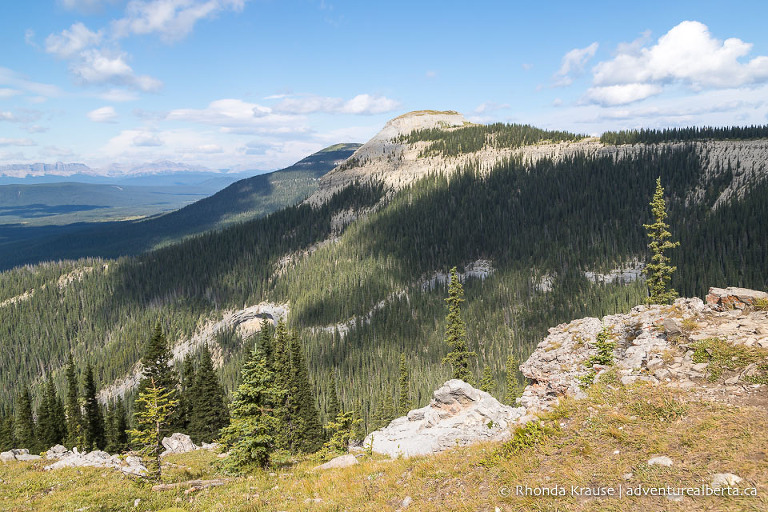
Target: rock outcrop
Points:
(723, 299)
(178, 443)
(129, 464)
(21, 454)
(458, 415)
(655, 344)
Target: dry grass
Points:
(593, 443)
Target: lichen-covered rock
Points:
(723, 299)
(458, 415)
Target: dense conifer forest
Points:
(366, 301)
(696, 133)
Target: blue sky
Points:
(259, 84)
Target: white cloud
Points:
(145, 139)
(572, 64)
(172, 19)
(7, 92)
(16, 142)
(103, 115)
(490, 106)
(97, 66)
(687, 55)
(87, 6)
(29, 38)
(56, 152)
(70, 42)
(621, 94)
(118, 95)
(362, 104)
(238, 116)
(13, 79)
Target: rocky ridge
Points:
(716, 350)
(398, 164)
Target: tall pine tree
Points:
(24, 422)
(93, 419)
(456, 332)
(117, 427)
(72, 407)
(209, 408)
(659, 272)
(305, 426)
(156, 367)
(51, 422)
(486, 382)
(404, 404)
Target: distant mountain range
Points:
(52, 221)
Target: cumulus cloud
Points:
(171, 19)
(490, 106)
(71, 41)
(6, 92)
(103, 115)
(16, 142)
(573, 63)
(687, 55)
(98, 66)
(238, 116)
(362, 104)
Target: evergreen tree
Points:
(658, 271)
(265, 340)
(7, 433)
(486, 382)
(384, 413)
(250, 436)
(341, 429)
(304, 421)
(24, 422)
(404, 404)
(513, 387)
(93, 419)
(117, 427)
(456, 332)
(50, 416)
(209, 408)
(156, 366)
(156, 407)
(185, 410)
(333, 408)
(72, 409)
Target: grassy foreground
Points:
(599, 443)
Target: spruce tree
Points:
(659, 272)
(50, 416)
(156, 407)
(209, 408)
(513, 387)
(333, 408)
(456, 332)
(7, 433)
(185, 411)
(486, 382)
(72, 408)
(93, 420)
(117, 426)
(304, 420)
(250, 436)
(24, 422)
(156, 367)
(404, 403)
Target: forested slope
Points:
(359, 272)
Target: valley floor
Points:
(603, 442)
